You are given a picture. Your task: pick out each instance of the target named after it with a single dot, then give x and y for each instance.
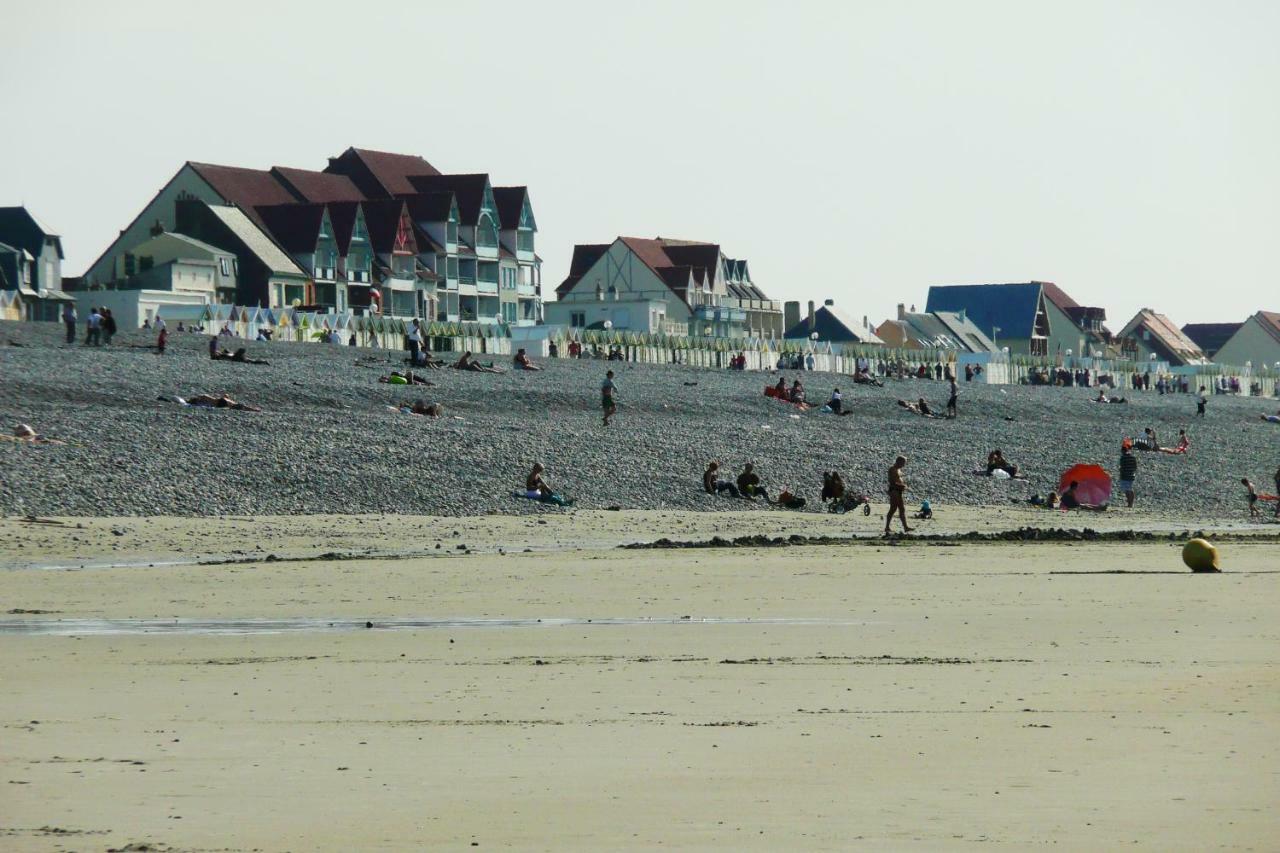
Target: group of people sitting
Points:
(920, 407)
(1149, 442)
(794, 394)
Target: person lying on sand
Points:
(1148, 441)
(1049, 501)
(209, 401)
(1183, 445)
(239, 356)
(467, 363)
(420, 407)
(1272, 419)
(1103, 398)
(406, 378)
(24, 433)
(522, 362)
(1070, 501)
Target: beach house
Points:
(475, 266)
(1152, 336)
(1030, 318)
(1210, 336)
(663, 285)
(950, 330)
(828, 324)
(31, 260)
(266, 275)
(1255, 342)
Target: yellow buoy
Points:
(1200, 556)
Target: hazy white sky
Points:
(849, 150)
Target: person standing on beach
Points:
(414, 337)
(897, 492)
(93, 326)
(608, 397)
(1201, 401)
(69, 319)
(1128, 471)
(108, 326)
(951, 401)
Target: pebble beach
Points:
(327, 442)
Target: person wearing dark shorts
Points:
(607, 397)
(1128, 472)
(951, 401)
(1201, 400)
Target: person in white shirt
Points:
(94, 334)
(414, 337)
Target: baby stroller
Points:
(848, 502)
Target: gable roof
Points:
(430, 206)
(382, 218)
(1011, 307)
(254, 239)
(21, 229)
(833, 325)
(1164, 337)
(295, 227)
(248, 189)
(1057, 296)
(318, 187)
(189, 240)
(1210, 336)
(468, 189)
(342, 216)
(585, 256)
(380, 173)
(510, 204)
(1270, 321)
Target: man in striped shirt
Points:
(1128, 471)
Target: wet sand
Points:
(882, 696)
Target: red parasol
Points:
(1094, 484)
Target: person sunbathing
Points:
(536, 488)
(797, 393)
(468, 363)
(522, 361)
(1103, 398)
(239, 356)
(421, 407)
(210, 401)
(910, 407)
(24, 433)
(216, 352)
(406, 378)
(1183, 445)
(923, 408)
(1272, 419)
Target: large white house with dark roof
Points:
(475, 243)
(663, 285)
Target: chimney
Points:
(902, 311)
(828, 302)
(790, 315)
(865, 324)
(812, 320)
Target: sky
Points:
(853, 151)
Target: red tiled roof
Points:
(247, 189)
(318, 187)
(1058, 296)
(392, 171)
(651, 252)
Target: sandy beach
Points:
(582, 696)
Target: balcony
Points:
(489, 287)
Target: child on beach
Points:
(1251, 497)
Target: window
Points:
(451, 231)
(509, 312)
(524, 241)
(452, 269)
(130, 267)
(578, 319)
(486, 234)
(225, 265)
